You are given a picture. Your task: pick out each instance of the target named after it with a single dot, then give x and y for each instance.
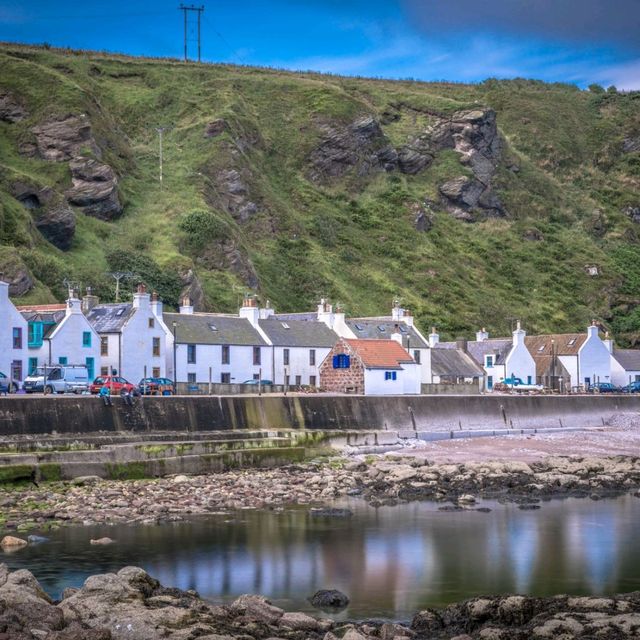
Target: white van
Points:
(59, 379)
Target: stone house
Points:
(13, 338)
(370, 367)
(61, 334)
(132, 342)
(584, 357)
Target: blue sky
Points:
(579, 41)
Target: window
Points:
(541, 348)
(16, 369)
(489, 382)
(104, 345)
(35, 334)
(390, 375)
(312, 381)
(213, 327)
(528, 379)
(91, 369)
(191, 353)
(86, 338)
(226, 354)
(256, 376)
(152, 323)
(33, 365)
(285, 325)
(104, 371)
(489, 361)
(17, 338)
(358, 327)
(416, 356)
(381, 328)
(286, 381)
(62, 360)
(156, 347)
(298, 381)
(572, 342)
(312, 357)
(191, 378)
(341, 361)
(285, 356)
(256, 355)
(225, 378)
(155, 372)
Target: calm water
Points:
(391, 561)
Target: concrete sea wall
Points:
(71, 415)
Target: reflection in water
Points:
(391, 561)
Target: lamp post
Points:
(174, 325)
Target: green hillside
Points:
(301, 186)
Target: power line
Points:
(233, 51)
(185, 10)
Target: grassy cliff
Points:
(255, 197)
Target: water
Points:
(391, 561)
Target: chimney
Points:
(325, 313)
(434, 338)
(4, 290)
(141, 298)
(592, 331)
(396, 335)
(156, 305)
(397, 312)
(482, 335)
(73, 303)
(407, 318)
(186, 308)
(518, 335)
(267, 311)
(250, 310)
(89, 301)
(608, 342)
(461, 344)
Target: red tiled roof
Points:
(41, 307)
(380, 354)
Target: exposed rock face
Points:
(416, 156)
(233, 194)
(11, 110)
(18, 277)
(61, 140)
(633, 213)
(215, 128)
(193, 290)
(631, 144)
(53, 217)
(360, 145)
(95, 189)
(423, 216)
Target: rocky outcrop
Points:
(359, 146)
(423, 216)
(192, 289)
(15, 272)
(232, 194)
(416, 156)
(94, 189)
(215, 128)
(11, 110)
(631, 144)
(633, 213)
(63, 139)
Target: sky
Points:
(576, 41)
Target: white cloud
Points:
(625, 76)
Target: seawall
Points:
(81, 414)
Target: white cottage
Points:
(13, 339)
(132, 341)
(583, 358)
(625, 365)
(61, 334)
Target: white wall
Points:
(298, 364)
(520, 363)
(621, 377)
(10, 317)
(570, 363)
(407, 381)
(594, 359)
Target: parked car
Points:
(513, 383)
(604, 387)
(257, 382)
(67, 378)
(633, 387)
(156, 387)
(115, 383)
(7, 385)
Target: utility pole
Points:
(198, 10)
(117, 276)
(160, 131)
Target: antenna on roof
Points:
(117, 276)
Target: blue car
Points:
(7, 385)
(633, 387)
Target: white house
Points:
(370, 367)
(583, 356)
(61, 334)
(214, 347)
(13, 338)
(625, 364)
(499, 358)
(132, 341)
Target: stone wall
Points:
(349, 380)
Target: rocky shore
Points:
(377, 479)
(131, 605)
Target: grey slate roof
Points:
(110, 318)
(52, 317)
(300, 333)
(629, 359)
(498, 346)
(370, 329)
(453, 362)
(198, 328)
(311, 316)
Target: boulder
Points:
(94, 189)
(11, 109)
(631, 144)
(633, 213)
(11, 542)
(329, 599)
(300, 622)
(101, 541)
(256, 608)
(18, 277)
(62, 139)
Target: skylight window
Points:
(541, 348)
(572, 342)
(381, 328)
(213, 327)
(358, 327)
(403, 329)
(119, 312)
(285, 326)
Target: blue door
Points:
(90, 368)
(489, 382)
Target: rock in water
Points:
(10, 542)
(102, 541)
(329, 599)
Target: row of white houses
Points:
(139, 339)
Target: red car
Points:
(115, 383)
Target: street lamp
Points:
(174, 325)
